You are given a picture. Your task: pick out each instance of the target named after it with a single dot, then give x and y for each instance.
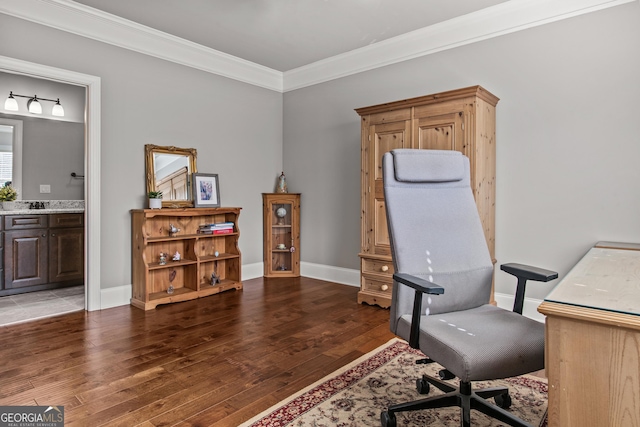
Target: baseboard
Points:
(115, 297)
(251, 271)
(529, 309)
(345, 276)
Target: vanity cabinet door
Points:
(25, 258)
(66, 254)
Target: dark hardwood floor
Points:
(216, 361)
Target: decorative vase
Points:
(155, 203)
(282, 184)
(9, 205)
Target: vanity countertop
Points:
(40, 211)
(47, 207)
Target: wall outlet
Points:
(45, 188)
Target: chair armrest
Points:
(421, 286)
(524, 273)
(418, 284)
(529, 272)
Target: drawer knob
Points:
(384, 268)
(384, 287)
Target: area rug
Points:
(355, 395)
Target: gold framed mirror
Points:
(169, 170)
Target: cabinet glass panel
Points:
(281, 236)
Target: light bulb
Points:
(34, 106)
(57, 109)
(11, 104)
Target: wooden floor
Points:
(216, 361)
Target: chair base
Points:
(462, 397)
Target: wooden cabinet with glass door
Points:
(281, 221)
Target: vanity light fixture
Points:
(34, 106)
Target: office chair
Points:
(442, 287)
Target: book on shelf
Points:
(216, 231)
(216, 226)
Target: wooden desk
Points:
(592, 352)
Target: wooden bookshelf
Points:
(190, 277)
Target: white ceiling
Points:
(287, 34)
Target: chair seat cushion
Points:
(482, 343)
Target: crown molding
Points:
(88, 22)
(504, 18)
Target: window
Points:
(6, 167)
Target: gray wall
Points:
(567, 140)
(236, 128)
(51, 150)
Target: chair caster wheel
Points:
(445, 375)
(423, 386)
(503, 400)
(387, 419)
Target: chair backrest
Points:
(435, 230)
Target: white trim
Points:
(16, 168)
(504, 18)
(92, 163)
(115, 297)
(251, 271)
(345, 276)
(92, 23)
(529, 309)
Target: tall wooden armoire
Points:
(463, 120)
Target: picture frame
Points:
(206, 190)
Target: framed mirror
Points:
(169, 170)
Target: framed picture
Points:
(206, 191)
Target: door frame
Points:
(91, 163)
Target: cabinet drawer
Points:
(21, 222)
(377, 285)
(377, 266)
(66, 220)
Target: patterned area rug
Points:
(355, 395)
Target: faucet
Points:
(36, 205)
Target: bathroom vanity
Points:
(41, 249)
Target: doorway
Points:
(91, 166)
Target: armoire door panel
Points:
(443, 132)
(381, 246)
(387, 137)
(383, 137)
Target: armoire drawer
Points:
(370, 284)
(377, 266)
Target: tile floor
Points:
(37, 305)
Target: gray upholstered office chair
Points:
(438, 247)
